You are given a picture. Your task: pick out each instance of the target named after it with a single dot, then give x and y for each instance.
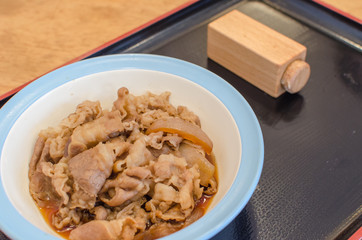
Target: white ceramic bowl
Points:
(225, 116)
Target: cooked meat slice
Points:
(120, 196)
(124, 229)
(85, 112)
(138, 155)
(156, 153)
(58, 143)
(147, 118)
(162, 229)
(100, 213)
(158, 230)
(177, 184)
(183, 196)
(120, 103)
(144, 108)
(174, 213)
(138, 172)
(156, 140)
(59, 178)
(40, 185)
(66, 218)
(173, 139)
(43, 192)
(165, 193)
(91, 133)
(188, 115)
(212, 188)
(129, 185)
(160, 101)
(81, 199)
(149, 102)
(91, 167)
(38, 149)
(135, 210)
(168, 166)
(186, 192)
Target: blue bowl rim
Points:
(16, 227)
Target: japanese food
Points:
(141, 170)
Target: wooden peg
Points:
(265, 58)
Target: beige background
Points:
(352, 7)
(37, 36)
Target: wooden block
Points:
(265, 58)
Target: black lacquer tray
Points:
(311, 184)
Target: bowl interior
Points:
(55, 105)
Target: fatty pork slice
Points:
(91, 168)
(91, 133)
(138, 155)
(40, 185)
(121, 101)
(175, 183)
(130, 185)
(123, 228)
(85, 112)
(163, 228)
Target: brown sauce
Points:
(48, 214)
(202, 204)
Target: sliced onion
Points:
(184, 129)
(197, 156)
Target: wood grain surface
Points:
(38, 36)
(255, 52)
(349, 8)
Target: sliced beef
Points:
(91, 168)
(91, 133)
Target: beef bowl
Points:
(131, 146)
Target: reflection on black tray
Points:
(310, 185)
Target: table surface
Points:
(351, 9)
(310, 187)
(38, 36)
